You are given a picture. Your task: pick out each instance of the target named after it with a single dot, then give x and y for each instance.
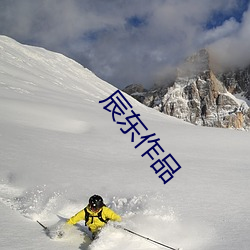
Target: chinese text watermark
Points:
(167, 166)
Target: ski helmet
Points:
(96, 202)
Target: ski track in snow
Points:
(43, 117)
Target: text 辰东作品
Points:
(167, 166)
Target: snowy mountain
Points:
(237, 81)
(59, 146)
(201, 95)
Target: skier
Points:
(95, 214)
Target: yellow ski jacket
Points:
(94, 223)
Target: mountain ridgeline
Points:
(202, 95)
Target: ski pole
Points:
(149, 239)
(45, 228)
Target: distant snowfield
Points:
(58, 146)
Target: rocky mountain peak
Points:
(196, 64)
(200, 96)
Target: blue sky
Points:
(218, 17)
(131, 41)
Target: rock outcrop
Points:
(199, 96)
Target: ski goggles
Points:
(94, 208)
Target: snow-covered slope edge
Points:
(58, 146)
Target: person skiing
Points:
(95, 214)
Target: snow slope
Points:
(58, 146)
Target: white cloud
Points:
(97, 32)
(233, 50)
(228, 28)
